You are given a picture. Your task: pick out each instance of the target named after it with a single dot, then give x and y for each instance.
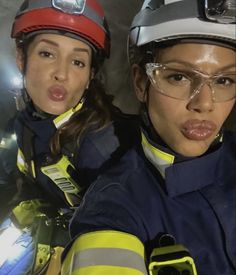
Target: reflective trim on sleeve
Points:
(106, 253)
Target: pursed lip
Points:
(195, 129)
(57, 93)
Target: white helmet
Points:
(165, 20)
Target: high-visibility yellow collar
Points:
(61, 119)
(160, 159)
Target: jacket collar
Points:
(182, 174)
(194, 174)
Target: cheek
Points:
(224, 110)
(34, 72)
(164, 109)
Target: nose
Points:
(60, 71)
(202, 100)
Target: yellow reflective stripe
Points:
(21, 164)
(107, 238)
(168, 158)
(33, 169)
(114, 249)
(105, 270)
(161, 160)
(60, 120)
(119, 258)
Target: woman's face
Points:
(189, 126)
(58, 71)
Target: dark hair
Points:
(96, 113)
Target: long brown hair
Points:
(96, 113)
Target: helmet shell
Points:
(41, 16)
(177, 19)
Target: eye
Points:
(176, 77)
(225, 80)
(78, 63)
(45, 54)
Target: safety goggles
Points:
(181, 82)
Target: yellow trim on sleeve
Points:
(105, 270)
(107, 239)
(102, 239)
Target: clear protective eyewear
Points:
(70, 6)
(182, 82)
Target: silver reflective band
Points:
(221, 11)
(111, 257)
(70, 6)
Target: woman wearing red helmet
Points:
(68, 131)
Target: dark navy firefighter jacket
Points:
(196, 204)
(97, 150)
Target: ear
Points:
(139, 82)
(20, 59)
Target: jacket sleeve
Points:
(105, 252)
(111, 234)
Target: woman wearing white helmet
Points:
(68, 131)
(169, 206)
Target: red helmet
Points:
(82, 18)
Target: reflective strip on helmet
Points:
(105, 252)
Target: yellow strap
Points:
(43, 255)
(21, 164)
(55, 261)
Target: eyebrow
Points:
(77, 49)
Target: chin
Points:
(192, 150)
(55, 111)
